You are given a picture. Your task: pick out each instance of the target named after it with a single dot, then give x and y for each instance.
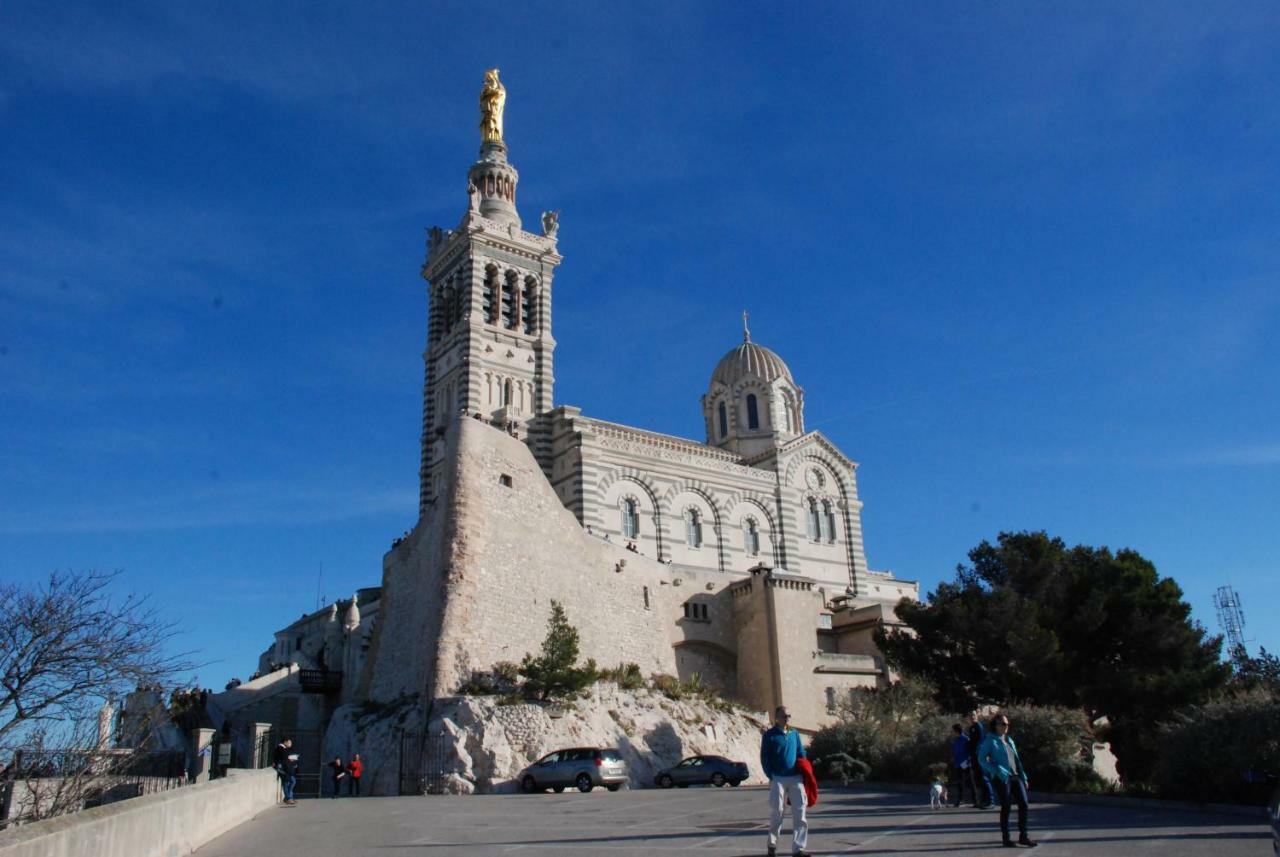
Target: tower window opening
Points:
(510, 301)
(630, 519)
(751, 538)
(693, 528)
(529, 312)
(696, 611)
(646, 598)
(753, 412)
(491, 295)
(724, 422)
(828, 521)
(506, 392)
(815, 526)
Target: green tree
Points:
(1249, 673)
(554, 672)
(1031, 620)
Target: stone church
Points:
(738, 557)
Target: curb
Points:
(1116, 801)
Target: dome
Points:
(750, 359)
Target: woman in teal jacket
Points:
(999, 759)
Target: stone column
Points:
(202, 752)
(261, 748)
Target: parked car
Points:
(1273, 812)
(581, 767)
(700, 770)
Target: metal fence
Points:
(46, 783)
(422, 762)
(308, 744)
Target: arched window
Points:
(753, 412)
(506, 392)
(630, 518)
(828, 521)
(724, 422)
(751, 537)
(693, 528)
(815, 526)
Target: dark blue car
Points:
(703, 770)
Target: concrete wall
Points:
(159, 825)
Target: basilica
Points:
(737, 557)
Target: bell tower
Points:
(489, 344)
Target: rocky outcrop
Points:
(487, 743)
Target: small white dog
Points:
(937, 795)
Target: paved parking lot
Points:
(718, 822)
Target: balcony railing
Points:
(320, 681)
(832, 662)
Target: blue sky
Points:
(1024, 258)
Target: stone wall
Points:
(158, 825)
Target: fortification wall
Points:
(402, 652)
(515, 547)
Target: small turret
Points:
(351, 620)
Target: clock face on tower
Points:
(814, 479)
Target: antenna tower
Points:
(1230, 617)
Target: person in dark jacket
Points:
(999, 758)
(983, 796)
(285, 761)
(338, 771)
(961, 760)
(780, 747)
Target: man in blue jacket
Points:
(779, 749)
(1000, 760)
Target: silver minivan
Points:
(584, 768)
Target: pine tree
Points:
(554, 673)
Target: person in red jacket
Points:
(354, 769)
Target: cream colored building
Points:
(738, 557)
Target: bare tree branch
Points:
(68, 644)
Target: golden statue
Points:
(493, 98)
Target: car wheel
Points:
(557, 789)
(529, 786)
(718, 780)
(682, 785)
(583, 782)
(735, 783)
(665, 781)
(614, 787)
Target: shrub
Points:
(626, 676)
(842, 767)
(1056, 746)
(1207, 750)
(668, 685)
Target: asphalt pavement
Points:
(717, 822)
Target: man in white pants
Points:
(779, 749)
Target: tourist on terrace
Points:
(961, 759)
(339, 772)
(780, 747)
(355, 768)
(999, 759)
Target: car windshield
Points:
(610, 756)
